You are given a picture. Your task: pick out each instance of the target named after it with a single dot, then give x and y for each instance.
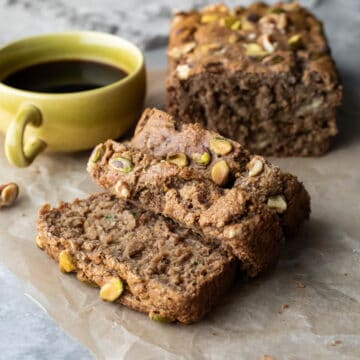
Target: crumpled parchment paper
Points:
(307, 308)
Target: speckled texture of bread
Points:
(157, 134)
(167, 270)
(261, 75)
(231, 216)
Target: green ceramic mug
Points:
(33, 121)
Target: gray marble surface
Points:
(26, 331)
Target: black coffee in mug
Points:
(64, 76)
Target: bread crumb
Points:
(336, 342)
(300, 285)
(285, 306)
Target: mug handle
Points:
(19, 152)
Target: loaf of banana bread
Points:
(157, 134)
(146, 262)
(261, 75)
(173, 189)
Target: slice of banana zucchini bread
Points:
(144, 261)
(178, 191)
(158, 134)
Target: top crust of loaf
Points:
(218, 36)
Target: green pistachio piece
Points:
(121, 164)
(208, 18)
(220, 173)
(179, 159)
(112, 289)
(247, 25)
(236, 25)
(110, 217)
(159, 318)
(229, 21)
(209, 48)
(295, 41)
(202, 159)
(255, 50)
(98, 153)
(8, 194)
(276, 10)
(220, 146)
(66, 262)
(39, 243)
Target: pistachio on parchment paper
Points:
(8, 194)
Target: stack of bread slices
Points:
(183, 212)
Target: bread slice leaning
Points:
(160, 134)
(166, 270)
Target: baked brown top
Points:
(283, 38)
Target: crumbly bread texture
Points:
(167, 270)
(250, 230)
(261, 75)
(157, 134)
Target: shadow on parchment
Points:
(314, 234)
